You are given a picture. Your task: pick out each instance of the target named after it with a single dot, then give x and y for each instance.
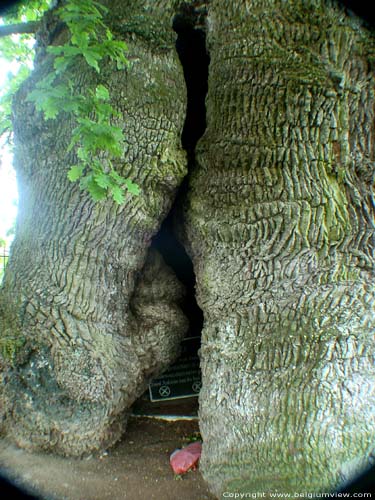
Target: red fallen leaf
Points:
(183, 460)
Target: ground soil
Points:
(136, 468)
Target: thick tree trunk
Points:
(280, 224)
(88, 316)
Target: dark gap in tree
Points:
(189, 24)
(191, 49)
(360, 8)
(176, 257)
(195, 60)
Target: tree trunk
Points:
(280, 225)
(86, 315)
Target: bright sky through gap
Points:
(8, 184)
(8, 194)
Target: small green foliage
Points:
(9, 347)
(6, 94)
(101, 93)
(95, 138)
(131, 187)
(31, 10)
(75, 172)
(17, 49)
(90, 37)
(95, 135)
(192, 438)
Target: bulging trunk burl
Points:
(88, 314)
(280, 225)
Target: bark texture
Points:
(279, 221)
(88, 315)
(280, 225)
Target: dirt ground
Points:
(136, 468)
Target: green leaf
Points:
(61, 64)
(81, 39)
(67, 50)
(132, 187)
(103, 180)
(102, 93)
(83, 154)
(92, 59)
(118, 194)
(117, 177)
(51, 112)
(96, 192)
(75, 172)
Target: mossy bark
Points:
(280, 225)
(279, 222)
(92, 314)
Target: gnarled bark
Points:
(90, 315)
(280, 224)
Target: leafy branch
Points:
(16, 47)
(96, 139)
(95, 136)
